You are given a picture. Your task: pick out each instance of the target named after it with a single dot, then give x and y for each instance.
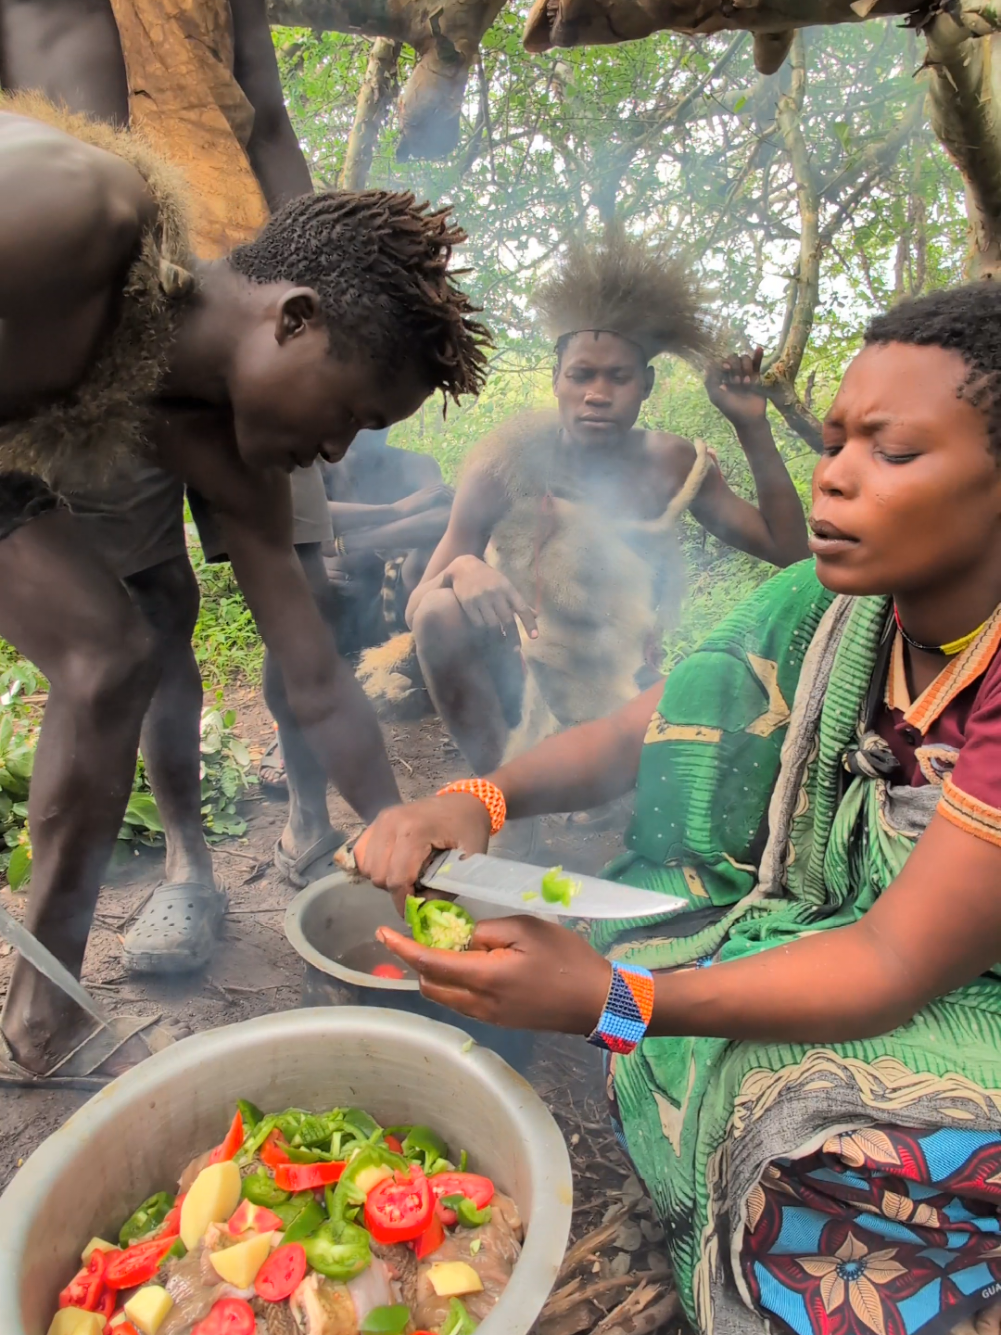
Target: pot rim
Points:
(332, 968)
(545, 1149)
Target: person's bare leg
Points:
(458, 678)
(167, 596)
(308, 819)
(65, 611)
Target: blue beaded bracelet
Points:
(627, 1011)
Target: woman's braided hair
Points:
(963, 319)
(379, 263)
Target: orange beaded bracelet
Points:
(488, 793)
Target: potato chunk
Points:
(239, 1265)
(214, 1195)
(75, 1321)
(451, 1279)
(148, 1308)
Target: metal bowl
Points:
(136, 1136)
(336, 915)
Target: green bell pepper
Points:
(255, 1140)
(469, 1215)
(366, 1127)
(438, 923)
(259, 1188)
(425, 1146)
(339, 1251)
(458, 1321)
(386, 1320)
(148, 1217)
(306, 1219)
(250, 1115)
(558, 888)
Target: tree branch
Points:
(378, 89)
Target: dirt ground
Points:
(616, 1267)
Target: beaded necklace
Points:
(944, 650)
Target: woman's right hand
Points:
(395, 848)
(487, 597)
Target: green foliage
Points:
(226, 643)
(225, 779)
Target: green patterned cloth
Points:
(744, 807)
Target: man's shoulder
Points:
(671, 456)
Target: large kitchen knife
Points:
(517, 887)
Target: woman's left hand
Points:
(522, 973)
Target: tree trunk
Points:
(377, 91)
(963, 105)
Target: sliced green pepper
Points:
(458, 1321)
(306, 1221)
(338, 1251)
(439, 923)
(148, 1217)
(469, 1215)
(362, 1122)
(463, 1161)
(178, 1250)
(259, 1188)
(425, 1145)
(386, 1320)
(256, 1139)
(558, 888)
(250, 1114)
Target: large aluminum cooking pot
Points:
(135, 1137)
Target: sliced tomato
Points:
(393, 1144)
(308, 1176)
(282, 1273)
(388, 971)
(123, 1328)
(228, 1316)
(87, 1287)
(480, 1190)
(273, 1151)
(137, 1264)
(234, 1139)
(253, 1218)
(400, 1207)
(430, 1240)
(171, 1226)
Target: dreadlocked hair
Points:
(966, 320)
(379, 263)
(621, 286)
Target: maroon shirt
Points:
(951, 734)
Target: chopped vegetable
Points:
(391, 1142)
(228, 1316)
(250, 1113)
(274, 1151)
(479, 1190)
(213, 1197)
(260, 1189)
(147, 1219)
(388, 971)
(427, 1147)
(86, 1289)
(430, 1240)
(250, 1218)
(282, 1273)
(386, 1320)
(137, 1264)
(239, 1265)
(451, 1279)
(458, 1321)
(370, 1177)
(439, 923)
(307, 1176)
(302, 1216)
(475, 1246)
(75, 1321)
(528, 895)
(558, 888)
(400, 1208)
(96, 1245)
(123, 1327)
(338, 1250)
(468, 1215)
(233, 1141)
(149, 1308)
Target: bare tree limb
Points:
(378, 89)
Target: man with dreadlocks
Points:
(565, 521)
(115, 340)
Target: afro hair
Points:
(380, 265)
(966, 320)
(621, 286)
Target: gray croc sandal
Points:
(177, 930)
(317, 861)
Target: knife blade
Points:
(517, 887)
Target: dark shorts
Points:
(23, 498)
